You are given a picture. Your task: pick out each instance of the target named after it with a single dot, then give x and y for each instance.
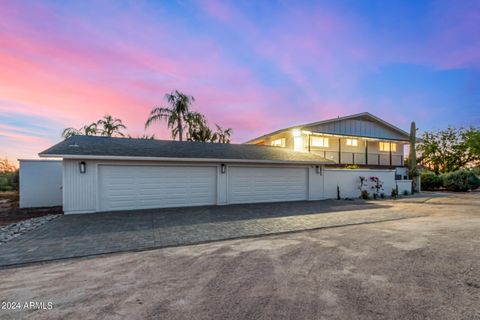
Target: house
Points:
(293, 164)
(360, 139)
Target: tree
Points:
(222, 135)
(87, 130)
(6, 166)
(175, 114)
(472, 142)
(448, 150)
(110, 126)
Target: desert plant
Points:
(364, 195)
(431, 181)
(394, 193)
(412, 158)
(461, 180)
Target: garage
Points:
(102, 174)
(129, 187)
(267, 184)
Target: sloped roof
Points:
(359, 116)
(93, 147)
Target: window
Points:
(319, 142)
(385, 146)
(279, 142)
(352, 142)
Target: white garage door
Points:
(143, 187)
(262, 184)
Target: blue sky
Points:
(255, 66)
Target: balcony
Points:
(361, 158)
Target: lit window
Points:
(352, 142)
(319, 142)
(279, 142)
(385, 146)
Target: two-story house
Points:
(360, 139)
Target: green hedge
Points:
(9, 181)
(461, 180)
(430, 181)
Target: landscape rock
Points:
(13, 230)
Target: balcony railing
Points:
(379, 159)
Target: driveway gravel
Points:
(419, 268)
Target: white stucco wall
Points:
(80, 191)
(348, 180)
(40, 183)
(404, 185)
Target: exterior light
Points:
(223, 168)
(297, 140)
(296, 132)
(318, 169)
(82, 166)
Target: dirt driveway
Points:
(419, 268)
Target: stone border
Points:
(13, 230)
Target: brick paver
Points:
(91, 234)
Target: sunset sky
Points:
(255, 66)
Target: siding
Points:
(356, 127)
(79, 189)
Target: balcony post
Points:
(309, 142)
(390, 143)
(339, 150)
(366, 152)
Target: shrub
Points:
(431, 181)
(461, 180)
(9, 181)
(394, 193)
(405, 192)
(365, 195)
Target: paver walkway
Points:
(92, 234)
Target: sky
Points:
(254, 66)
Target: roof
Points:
(363, 115)
(94, 147)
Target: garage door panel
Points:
(143, 187)
(264, 184)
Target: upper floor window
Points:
(385, 146)
(319, 142)
(278, 142)
(352, 142)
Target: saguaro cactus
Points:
(412, 158)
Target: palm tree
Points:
(222, 135)
(110, 126)
(175, 115)
(87, 130)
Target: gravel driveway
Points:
(419, 268)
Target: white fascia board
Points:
(90, 157)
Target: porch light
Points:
(296, 132)
(318, 169)
(82, 166)
(223, 168)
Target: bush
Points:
(461, 180)
(9, 181)
(430, 181)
